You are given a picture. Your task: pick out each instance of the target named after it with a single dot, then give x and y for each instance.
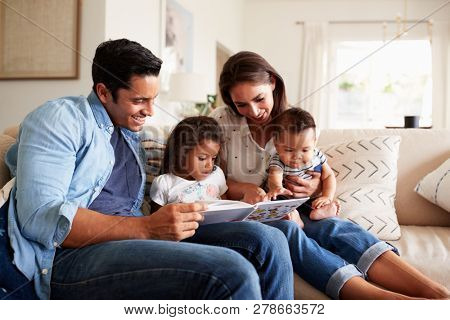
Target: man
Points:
(76, 229)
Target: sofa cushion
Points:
(366, 174)
(421, 151)
(5, 142)
(435, 186)
(427, 249)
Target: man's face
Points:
(132, 105)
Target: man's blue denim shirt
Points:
(62, 160)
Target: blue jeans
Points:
(341, 249)
(152, 269)
(265, 247)
(13, 284)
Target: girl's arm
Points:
(247, 192)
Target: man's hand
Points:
(174, 221)
(303, 187)
(272, 194)
(254, 194)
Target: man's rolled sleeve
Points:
(67, 213)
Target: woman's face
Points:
(254, 101)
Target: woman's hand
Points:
(303, 187)
(272, 194)
(254, 194)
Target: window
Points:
(392, 83)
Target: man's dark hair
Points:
(293, 120)
(116, 61)
(189, 133)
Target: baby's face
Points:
(296, 149)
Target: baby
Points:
(295, 140)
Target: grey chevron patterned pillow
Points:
(366, 174)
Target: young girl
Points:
(294, 133)
(189, 172)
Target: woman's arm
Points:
(302, 187)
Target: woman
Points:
(254, 93)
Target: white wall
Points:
(265, 26)
(214, 20)
(270, 30)
(139, 20)
(19, 97)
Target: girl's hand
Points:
(320, 202)
(254, 195)
(272, 194)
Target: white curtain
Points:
(313, 72)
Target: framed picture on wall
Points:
(39, 39)
(177, 49)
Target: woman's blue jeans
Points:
(154, 269)
(328, 252)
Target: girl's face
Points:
(200, 160)
(254, 101)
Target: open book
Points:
(228, 210)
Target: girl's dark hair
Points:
(187, 134)
(293, 120)
(116, 61)
(246, 66)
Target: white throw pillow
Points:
(366, 174)
(435, 186)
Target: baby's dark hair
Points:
(187, 134)
(292, 120)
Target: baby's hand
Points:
(272, 194)
(320, 202)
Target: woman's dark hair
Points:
(116, 61)
(293, 120)
(187, 134)
(246, 66)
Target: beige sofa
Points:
(425, 228)
(425, 241)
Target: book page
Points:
(226, 211)
(274, 210)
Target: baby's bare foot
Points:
(330, 210)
